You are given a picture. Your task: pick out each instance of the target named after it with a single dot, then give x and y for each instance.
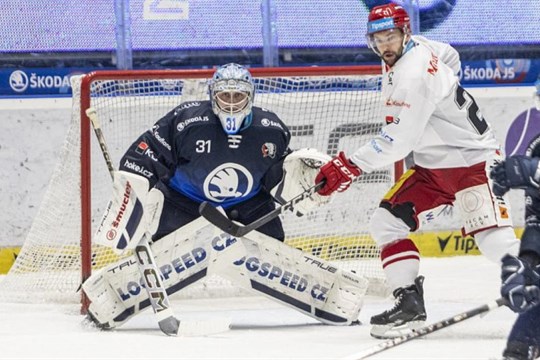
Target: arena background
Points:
(44, 43)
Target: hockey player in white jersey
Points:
(428, 113)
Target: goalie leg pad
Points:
(116, 291)
(294, 278)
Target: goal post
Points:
(330, 108)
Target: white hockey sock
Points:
(401, 263)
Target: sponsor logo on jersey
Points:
(269, 150)
(504, 212)
(159, 138)
(143, 149)
(268, 122)
(187, 106)
(375, 146)
(385, 136)
(391, 120)
(182, 125)
(138, 169)
(227, 181)
(234, 141)
(392, 102)
(391, 78)
(433, 64)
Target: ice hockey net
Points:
(328, 108)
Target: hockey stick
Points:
(148, 268)
(220, 220)
(428, 329)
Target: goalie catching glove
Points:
(338, 175)
(299, 171)
(132, 211)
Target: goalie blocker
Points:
(255, 262)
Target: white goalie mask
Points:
(231, 93)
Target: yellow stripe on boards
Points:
(8, 256)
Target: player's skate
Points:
(516, 350)
(407, 314)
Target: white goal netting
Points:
(330, 113)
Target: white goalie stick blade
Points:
(220, 220)
(190, 328)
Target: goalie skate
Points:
(407, 314)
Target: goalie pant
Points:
(255, 262)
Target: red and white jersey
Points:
(427, 112)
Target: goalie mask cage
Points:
(327, 108)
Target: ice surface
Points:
(262, 329)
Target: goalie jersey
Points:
(427, 112)
(188, 150)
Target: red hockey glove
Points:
(338, 175)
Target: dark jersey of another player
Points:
(188, 150)
(530, 240)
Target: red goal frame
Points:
(86, 129)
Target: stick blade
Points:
(204, 327)
(218, 219)
(170, 325)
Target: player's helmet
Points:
(231, 93)
(385, 17)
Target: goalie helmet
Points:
(387, 17)
(231, 93)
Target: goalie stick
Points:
(159, 300)
(428, 329)
(157, 294)
(220, 220)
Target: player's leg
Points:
(524, 339)
(401, 211)
(485, 216)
